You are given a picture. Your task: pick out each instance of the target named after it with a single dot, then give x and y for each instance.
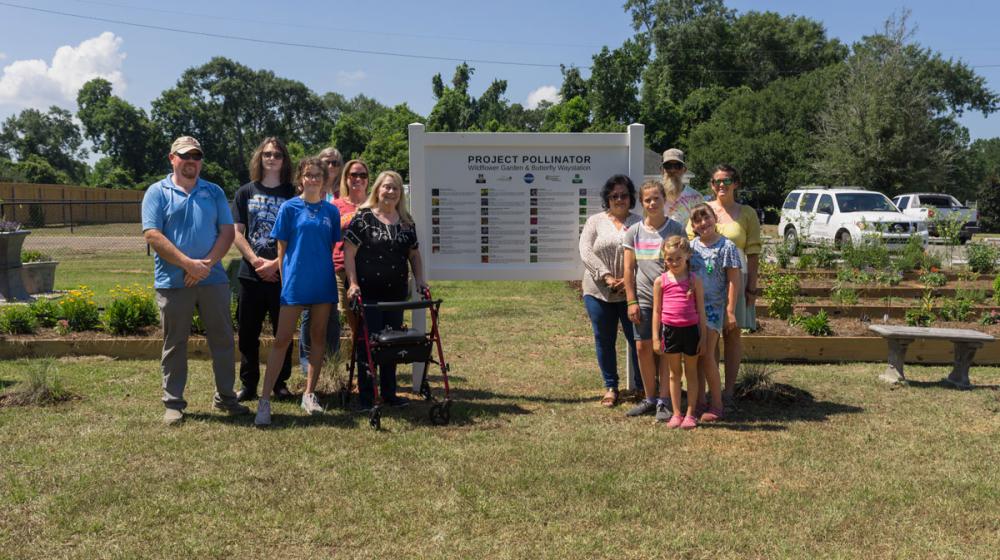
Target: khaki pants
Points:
(177, 307)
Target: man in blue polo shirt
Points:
(186, 220)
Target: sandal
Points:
(610, 399)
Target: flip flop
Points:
(610, 399)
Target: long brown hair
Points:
(257, 161)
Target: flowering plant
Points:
(9, 226)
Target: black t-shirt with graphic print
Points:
(382, 259)
(256, 207)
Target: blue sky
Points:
(45, 56)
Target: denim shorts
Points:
(644, 330)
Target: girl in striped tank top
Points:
(679, 327)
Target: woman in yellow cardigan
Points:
(739, 223)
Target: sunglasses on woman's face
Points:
(673, 165)
(618, 196)
(273, 155)
(719, 182)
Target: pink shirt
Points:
(347, 210)
(678, 305)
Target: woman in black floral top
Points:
(380, 248)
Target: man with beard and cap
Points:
(680, 198)
(187, 221)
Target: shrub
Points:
(956, 309)
(780, 292)
(131, 310)
(924, 315)
(933, 279)
(46, 312)
(806, 262)
(844, 296)
(35, 256)
(990, 318)
(973, 295)
(17, 319)
(79, 310)
(866, 253)
(982, 256)
(825, 255)
(996, 290)
(912, 256)
(782, 254)
(814, 325)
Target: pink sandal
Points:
(689, 423)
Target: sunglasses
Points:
(673, 165)
(361, 175)
(618, 196)
(333, 162)
(719, 182)
(196, 156)
(273, 155)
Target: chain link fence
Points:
(79, 228)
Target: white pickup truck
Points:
(934, 207)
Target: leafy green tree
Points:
(106, 173)
(769, 135)
(52, 137)
(568, 116)
(988, 204)
(613, 88)
(890, 122)
(123, 132)
(389, 146)
(231, 107)
(36, 169)
(574, 85)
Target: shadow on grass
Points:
(774, 414)
(4, 383)
(943, 384)
(334, 417)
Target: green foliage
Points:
(913, 256)
(814, 325)
(988, 202)
(79, 309)
(841, 295)
(825, 255)
(807, 261)
(783, 254)
(46, 312)
(48, 146)
(123, 132)
(780, 291)
(996, 290)
(982, 256)
(923, 315)
(956, 309)
(933, 279)
(990, 318)
(132, 310)
(30, 256)
(38, 389)
(568, 116)
(868, 252)
(971, 294)
(17, 319)
(949, 227)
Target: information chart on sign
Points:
(511, 211)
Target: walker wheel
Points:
(440, 415)
(375, 419)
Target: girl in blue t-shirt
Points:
(306, 229)
(722, 277)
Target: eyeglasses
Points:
(333, 162)
(361, 175)
(719, 182)
(673, 165)
(618, 196)
(196, 156)
(313, 176)
(273, 155)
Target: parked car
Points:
(934, 207)
(843, 215)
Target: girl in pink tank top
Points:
(678, 327)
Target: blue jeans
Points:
(332, 337)
(376, 320)
(605, 318)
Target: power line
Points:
(338, 29)
(282, 43)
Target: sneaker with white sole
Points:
(310, 404)
(263, 417)
(172, 416)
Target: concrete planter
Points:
(39, 277)
(11, 286)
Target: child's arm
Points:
(699, 301)
(734, 275)
(630, 292)
(657, 305)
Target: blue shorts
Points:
(644, 330)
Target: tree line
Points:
(772, 95)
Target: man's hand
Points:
(267, 270)
(198, 269)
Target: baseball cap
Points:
(185, 144)
(673, 154)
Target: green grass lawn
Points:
(531, 466)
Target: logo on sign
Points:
(529, 178)
(577, 179)
(505, 178)
(480, 179)
(552, 178)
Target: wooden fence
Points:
(66, 204)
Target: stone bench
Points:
(966, 342)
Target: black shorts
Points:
(680, 339)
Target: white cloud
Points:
(38, 84)
(349, 79)
(544, 93)
(3, 55)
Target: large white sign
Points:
(492, 206)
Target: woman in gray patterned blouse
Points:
(604, 279)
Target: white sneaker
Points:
(263, 413)
(310, 404)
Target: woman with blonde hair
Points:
(380, 250)
(334, 163)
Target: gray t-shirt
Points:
(646, 243)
